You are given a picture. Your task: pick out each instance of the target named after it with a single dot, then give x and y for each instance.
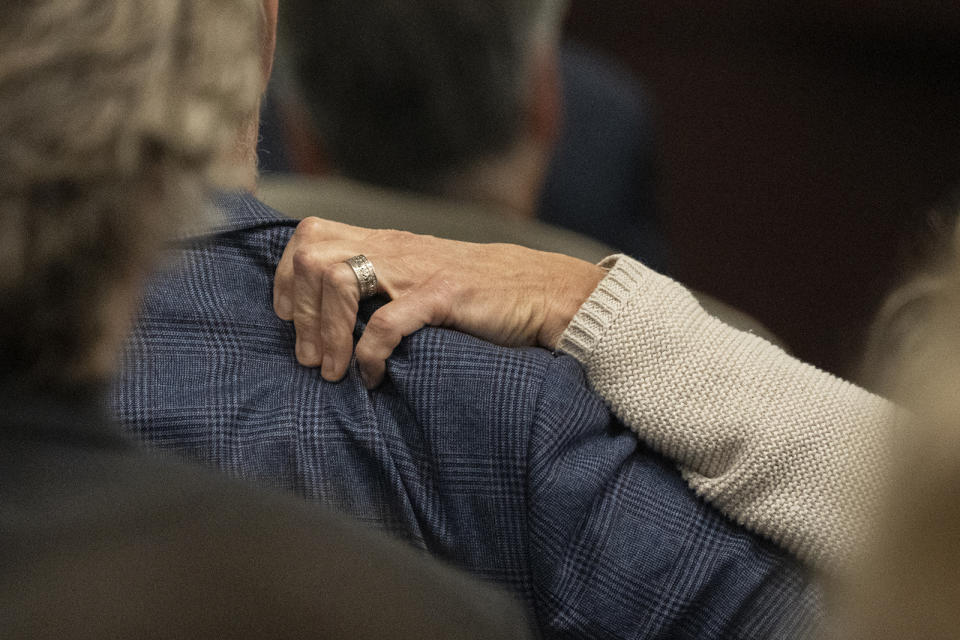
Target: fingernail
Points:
(326, 371)
(309, 355)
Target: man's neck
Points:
(511, 182)
(242, 174)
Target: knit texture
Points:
(499, 461)
(785, 449)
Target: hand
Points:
(503, 293)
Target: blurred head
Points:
(114, 115)
(412, 94)
(908, 584)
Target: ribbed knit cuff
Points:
(627, 278)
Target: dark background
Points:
(802, 145)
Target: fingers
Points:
(320, 294)
(283, 279)
(338, 316)
(391, 323)
(304, 302)
(309, 232)
(325, 302)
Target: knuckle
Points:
(309, 226)
(390, 235)
(306, 321)
(404, 237)
(366, 354)
(307, 260)
(380, 323)
(339, 276)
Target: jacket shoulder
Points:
(467, 377)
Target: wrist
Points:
(573, 287)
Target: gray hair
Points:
(113, 113)
(406, 93)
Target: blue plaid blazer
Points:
(500, 461)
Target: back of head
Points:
(406, 93)
(113, 113)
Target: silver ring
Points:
(366, 276)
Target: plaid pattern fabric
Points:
(500, 461)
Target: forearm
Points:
(790, 451)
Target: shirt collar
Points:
(230, 211)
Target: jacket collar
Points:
(242, 210)
(230, 211)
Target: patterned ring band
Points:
(366, 276)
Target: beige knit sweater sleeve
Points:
(783, 448)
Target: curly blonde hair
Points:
(114, 114)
